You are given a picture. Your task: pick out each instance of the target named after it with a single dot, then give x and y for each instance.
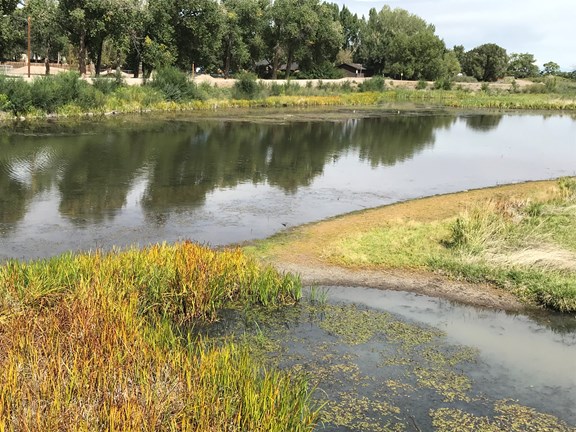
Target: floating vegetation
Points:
(510, 417)
(375, 372)
(363, 414)
(451, 385)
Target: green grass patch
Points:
(400, 244)
(525, 246)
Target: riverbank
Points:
(503, 247)
(66, 95)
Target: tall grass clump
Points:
(175, 85)
(527, 246)
(99, 342)
(374, 84)
(246, 87)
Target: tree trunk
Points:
(82, 54)
(47, 60)
(275, 61)
(289, 63)
(99, 57)
(227, 59)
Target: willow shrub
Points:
(97, 342)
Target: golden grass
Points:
(102, 342)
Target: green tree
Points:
(294, 23)
(47, 35)
(76, 19)
(12, 34)
(450, 65)
(319, 52)
(198, 27)
(400, 44)
(351, 30)
(551, 68)
(243, 34)
(460, 53)
(522, 65)
(486, 62)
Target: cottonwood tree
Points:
(551, 68)
(198, 27)
(243, 33)
(400, 44)
(294, 24)
(522, 65)
(486, 62)
(47, 36)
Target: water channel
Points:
(232, 178)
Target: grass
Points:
(68, 95)
(103, 342)
(524, 243)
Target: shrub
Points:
(46, 94)
(246, 87)
(108, 85)
(68, 84)
(443, 84)
(374, 84)
(18, 95)
(421, 85)
(175, 85)
(485, 87)
(89, 97)
(465, 79)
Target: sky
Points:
(543, 28)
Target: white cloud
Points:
(544, 29)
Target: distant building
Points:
(353, 70)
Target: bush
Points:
(68, 84)
(89, 97)
(175, 85)
(465, 79)
(443, 84)
(108, 85)
(421, 85)
(18, 95)
(46, 94)
(374, 84)
(246, 87)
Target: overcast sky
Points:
(545, 28)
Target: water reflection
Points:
(483, 122)
(183, 162)
(121, 182)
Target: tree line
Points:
(260, 36)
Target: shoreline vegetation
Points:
(106, 342)
(67, 95)
(510, 242)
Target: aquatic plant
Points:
(99, 341)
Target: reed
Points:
(99, 342)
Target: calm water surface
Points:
(221, 181)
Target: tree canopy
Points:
(230, 36)
(487, 62)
